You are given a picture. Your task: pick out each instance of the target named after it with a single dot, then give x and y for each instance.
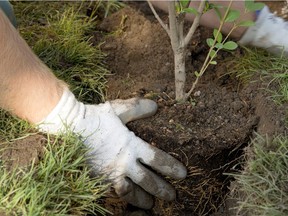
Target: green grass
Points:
(12, 127)
(62, 38)
(108, 7)
(273, 69)
(59, 185)
(263, 184)
(60, 33)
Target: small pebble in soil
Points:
(138, 213)
(201, 104)
(236, 105)
(171, 94)
(197, 93)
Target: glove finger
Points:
(122, 186)
(133, 194)
(160, 161)
(133, 109)
(151, 183)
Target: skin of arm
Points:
(28, 87)
(30, 90)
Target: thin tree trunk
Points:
(180, 75)
(179, 42)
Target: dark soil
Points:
(23, 152)
(209, 132)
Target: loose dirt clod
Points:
(22, 152)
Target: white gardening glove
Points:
(114, 150)
(269, 32)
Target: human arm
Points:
(32, 92)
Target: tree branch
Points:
(164, 26)
(195, 23)
(174, 37)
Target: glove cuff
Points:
(65, 114)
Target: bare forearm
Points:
(28, 88)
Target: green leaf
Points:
(219, 45)
(219, 36)
(190, 10)
(196, 74)
(212, 54)
(216, 9)
(246, 23)
(232, 15)
(213, 62)
(250, 5)
(178, 8)
(230, 45)
(208, 6)
(184, 3)
(210, 42)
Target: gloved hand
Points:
(269, 32)
(114, 150)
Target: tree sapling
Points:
(179, 41)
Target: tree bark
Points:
(180, 75)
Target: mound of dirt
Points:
(209, 132)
